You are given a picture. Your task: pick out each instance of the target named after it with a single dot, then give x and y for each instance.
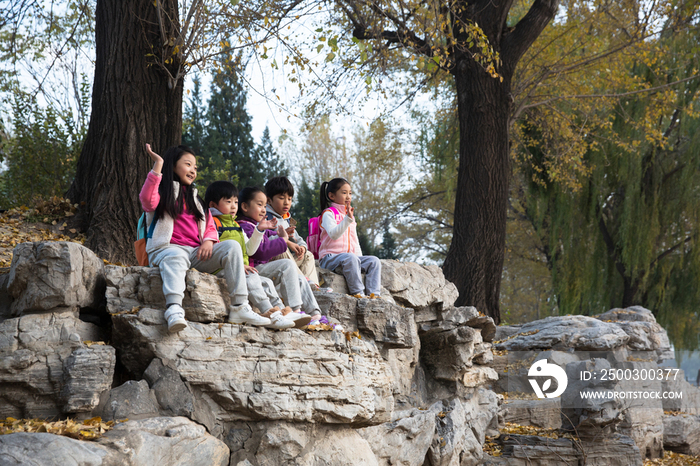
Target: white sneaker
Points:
(279, 322)
(175, 315)
(243, 314)
(298, 318)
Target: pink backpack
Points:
(313, 241)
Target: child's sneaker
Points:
(243, 314)
(316, 287)
(359, 296)
(373, 296)
(175, 315)
(299, 318)
(279, 322)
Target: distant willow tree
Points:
(623, 230)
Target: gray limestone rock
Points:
(164, 441)
(689, 400)
(418, 286)
(87, 372)
(461, 428)
(544, 413)
(131, 400)
(339, 306)
(451, 318)
(172, 441)
(682, 433)
(592, 416)
(46, 370)
(386, 323)
(297, 444)
(128, 288)
(448, 355)
(249, 373)
(46, 276)
(644, 332)
(174, 398)
(578, 332)
(404, 441)
(42, 449)
(529, 450)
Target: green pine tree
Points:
(193, 123)
(265, 153)
(305, 205)
(229, 146)
(388, 248)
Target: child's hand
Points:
(205, 250)
(157, 159)
(248, 269)
(281, 232)
(350, 210)
(266, 224)
(291, 230)
(297, 250)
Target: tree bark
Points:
(133, 103)
(475, 258)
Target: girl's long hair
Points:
(169, 204)
(328, 187)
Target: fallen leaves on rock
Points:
(511, 428)
(674, 459)
(24, 224)
(491, 447)
(90, 429)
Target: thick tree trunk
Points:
(475, 259)
(132, 104)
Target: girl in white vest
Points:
(340, 248)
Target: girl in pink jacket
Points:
(184, 237)
(340, 248)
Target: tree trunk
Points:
(133, 103)
(475, 258)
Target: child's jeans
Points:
(174, 261)
(352, 266)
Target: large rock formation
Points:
(410, 368)
(614, 359)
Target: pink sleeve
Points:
(210, 230)
(149, 196)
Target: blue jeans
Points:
(352, 266)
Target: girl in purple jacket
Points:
(292, 287)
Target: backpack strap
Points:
(151, 228)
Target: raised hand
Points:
(157, 159)
(291, 230)
(266, 224)
(350, 210)
(281, 232)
